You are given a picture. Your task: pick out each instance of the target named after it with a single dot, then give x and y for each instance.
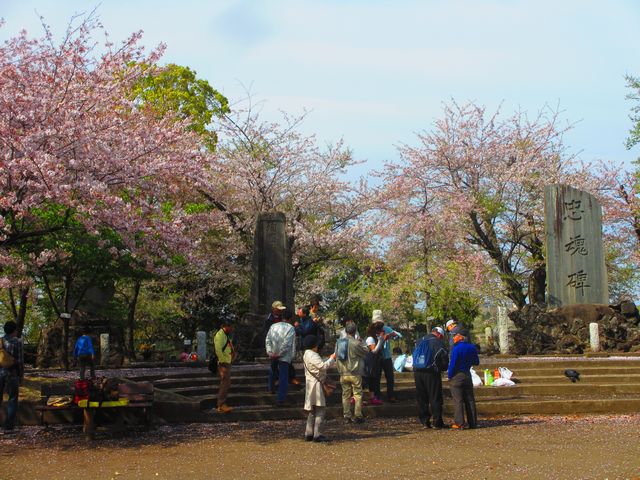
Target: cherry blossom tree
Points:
(475, 183)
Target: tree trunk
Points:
(19, 310)
(537, 284)
(131, 319)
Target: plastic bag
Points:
(475, 378)
(503, 382)
(505, 373)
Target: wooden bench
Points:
(139, 397)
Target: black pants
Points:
(387, 367)
(429, 396)
(461, 387)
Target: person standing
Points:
(280, 344)
(463, 356)
(387, 360)
(84, 354)
(429, 378)
(315, 369)
(453, 327)
(375, 338)
(350, 370)
(277, 310)
(11, 375)
(226, 354)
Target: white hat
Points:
(278, 305)
(449, 322)
(377, 316)
(438, 329)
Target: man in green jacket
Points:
(226, 354)
(350, 369)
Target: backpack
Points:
(342, 349)
(422, 354)
(441, 360)
(6, 359)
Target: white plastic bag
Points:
(505, 373)
(503, 382)
(477, 381)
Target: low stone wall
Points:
(566, 329)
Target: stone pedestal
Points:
(105, 352)
(202, 345)
(594, 336)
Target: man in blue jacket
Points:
(463, 356)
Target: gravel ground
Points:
(557, 447)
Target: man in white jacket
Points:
(281, 349)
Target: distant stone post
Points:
(576, 271)
(202, 345)
(105, 352)
(503, 330)
(594, 336)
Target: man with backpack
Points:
(11, 372)
(350, 355)
(430, 358)
(225, 354)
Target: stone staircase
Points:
(607, 385)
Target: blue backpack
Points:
(342, 349)
(422, 354)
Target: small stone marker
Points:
(594, 336)
(104, 349)
(503, 330)
(202, 345)
(576, 271)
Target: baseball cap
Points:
(438, 329)
(278, 304)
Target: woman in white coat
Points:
(315, 371)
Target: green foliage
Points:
(634, 134)
(175, 88)
(447, 301)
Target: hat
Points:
(376, 316)
(449, 323)
(438, 329)
(278, 304)
(309, 341)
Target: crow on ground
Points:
(572, 375)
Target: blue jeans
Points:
(10, 382)
(283, 378)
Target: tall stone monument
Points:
(272, 279)
(576, 271)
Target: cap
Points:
(278, 304)
(449, 323)
(438, 329)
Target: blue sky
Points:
(375, 72)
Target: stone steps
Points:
(606, 386)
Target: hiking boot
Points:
(224, 409)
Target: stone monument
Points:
(272, 279)
(576, 271)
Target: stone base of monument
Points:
(566, 330)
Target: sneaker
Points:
(426, 425)
(358, 420)
(376, 401)
(224, 409)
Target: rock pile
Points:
(566, 329)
